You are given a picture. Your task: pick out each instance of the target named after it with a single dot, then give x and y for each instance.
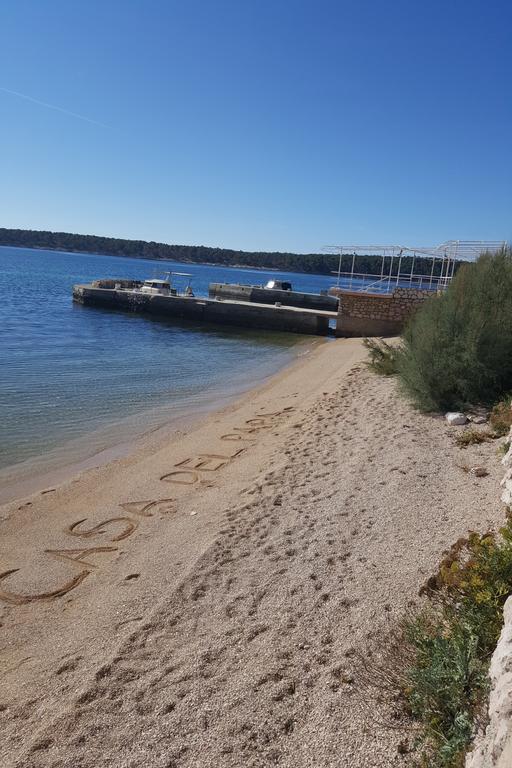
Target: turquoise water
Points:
(69, 372)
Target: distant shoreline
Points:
(248, 267)
(315, 263)
(305, 263)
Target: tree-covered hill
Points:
(318, 263)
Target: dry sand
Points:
(211, 617)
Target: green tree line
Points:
(313, 263)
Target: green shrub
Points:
(383, 356)
(473, 436)
(445, 686)
(501, 417)
(446, 682)
(457, 348)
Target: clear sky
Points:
(258, 124)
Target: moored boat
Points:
(160, 297)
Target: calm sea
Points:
(75, 380)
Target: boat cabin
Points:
(278, 285)
(166, 287)
(158, 287)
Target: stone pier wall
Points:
(238, 313)
(376, 314)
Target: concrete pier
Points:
(254, 293)
(242, 314)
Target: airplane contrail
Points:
(53, 106)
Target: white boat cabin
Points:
(278, 285)
(163, 287)
(158, 287)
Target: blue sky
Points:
(258, 124)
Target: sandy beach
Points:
(200, 601)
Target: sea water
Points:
(75, 380)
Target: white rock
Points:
(506, 497)
(455, 419)
(507, 459)
(506, 477)
(478, 419)
(506, 483)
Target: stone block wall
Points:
(493, 749)
(376, 314)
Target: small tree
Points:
(457, 349)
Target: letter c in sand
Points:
(15, 599)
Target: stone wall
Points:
(241, 314)
(116, 282)
(506, 483)
(494, 748)
(376, 314)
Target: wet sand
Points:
(122, 437)
(200, 601)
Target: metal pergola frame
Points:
(449, 253)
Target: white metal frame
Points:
(449, 253)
